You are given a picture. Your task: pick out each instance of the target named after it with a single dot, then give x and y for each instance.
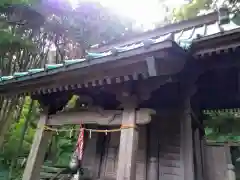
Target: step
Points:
(172, 136)
(170, 170)
(173, 144)
(169, 177)
(169, 156)
(169, 142)
(169, 163)
(45, 175)
(170, 149)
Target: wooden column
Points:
(152, 168)
(198, 155)
(230, 167)
(187, 141)
(128, 143)
(38, 150)
(203, 151)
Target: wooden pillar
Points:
(230, 167)
(187, 141)
(203, 151)
(128, 143)
(152, 168)
(198, 155)
(38, 150)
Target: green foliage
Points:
(192, 9)
(222, 126)
(14, 134)
(23, 36)
(27, 43)
(60, 149)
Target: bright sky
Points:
(144, 12)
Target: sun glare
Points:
(145, 13)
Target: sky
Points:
(144, 12)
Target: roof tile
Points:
(183, 38)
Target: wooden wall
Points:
(158, 155)
(170, 167)
(215, 163)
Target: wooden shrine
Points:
(158, 82)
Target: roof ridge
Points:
(167, 29)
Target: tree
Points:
(27, 31)
(222, 126)
(198, 7)
(192, 9)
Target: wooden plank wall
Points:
(141, 164)
(170, 167)
(215, 163)
(110, 157)
(158, 155)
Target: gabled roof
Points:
(181, 34)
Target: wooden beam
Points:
(128, 146)
(105, 117)
(228, 143)
(38, 150)
(196, 120)
(151, 66)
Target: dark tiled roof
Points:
(182, 37)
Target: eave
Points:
(130, 65)
(216, 43)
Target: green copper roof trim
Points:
(183, 39)
(73, 61)
(33, 71)
(5, 78)
(185, 43)
(90, 56)
(20, 74)
(53, 66)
